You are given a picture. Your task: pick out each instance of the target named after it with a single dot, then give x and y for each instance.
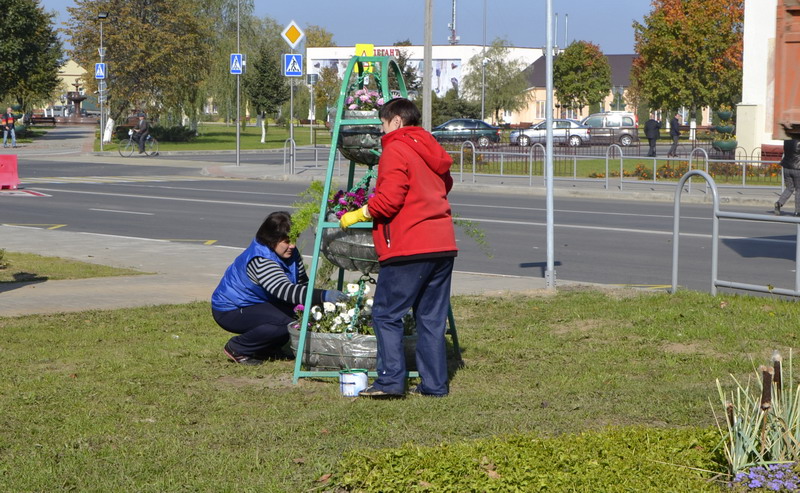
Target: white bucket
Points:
(351, 382)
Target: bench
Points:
(42, 120)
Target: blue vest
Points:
(237, 290)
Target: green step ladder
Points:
(360, 70)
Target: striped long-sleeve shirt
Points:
(269, 275)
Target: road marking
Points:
(158, 197)
(45, 226)
(115, 179)
(124, 212)
(204, 242)
(22, 193)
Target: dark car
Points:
(565, 131)
(613, 127)
(464, 129)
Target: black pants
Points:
(791, 183)
(261, 328)
(652, 151)
(673, 149)
(140, 139)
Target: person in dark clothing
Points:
(141, 131)
(791, 176)
(412, 229)
(651, 128)
(675, 133)
(257, 295)
(8, 121)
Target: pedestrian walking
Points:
(8, 121)
(675, 133)
(651, 128)
(791, 176)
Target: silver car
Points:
(565, 132)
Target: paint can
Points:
(353, 381)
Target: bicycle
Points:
(127, 146)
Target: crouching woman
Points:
(259, 290)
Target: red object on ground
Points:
(8, 171)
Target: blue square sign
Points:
(292, 65)
(236, 64)
(99, 70)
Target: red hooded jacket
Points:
(410, 212)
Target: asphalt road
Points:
(596, 240)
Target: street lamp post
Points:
(483, 66)
(102, 86)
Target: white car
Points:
(565, 132)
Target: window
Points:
(540, 109)
(594, 121)
(627, 121)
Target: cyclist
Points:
(141, 131)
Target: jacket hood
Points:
(424, 144)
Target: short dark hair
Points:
(274, 229)
(407, 111)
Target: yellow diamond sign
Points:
(293, 34)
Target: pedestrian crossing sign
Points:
(99, 70)
(292, 65)
(236, 64)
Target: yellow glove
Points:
(353, 217)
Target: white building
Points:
(450, 62)
(754, 114)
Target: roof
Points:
(621, 65)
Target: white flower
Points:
(337, 320)
(352, 289)
(328, 306)
(366, 288)
(317, 315)
(346, 318)
(351, 312)
(342, 305)
(369, 302)
(315, 309)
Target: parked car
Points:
(613, 127)
(463, 129)
(565, 132)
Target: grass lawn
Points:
(144, 400)
(223, 137)
(27, 267)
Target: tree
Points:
(317, 36)
(505, 82)
(156, 50)
(410, 76)
(690, 54)
(581, 75)
(326, 92)
(30, 53)
(265, 84)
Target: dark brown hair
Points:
(407, 111)
(274, 229)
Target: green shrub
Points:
(615, 459)
(177, 133)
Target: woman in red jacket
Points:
(412, 228)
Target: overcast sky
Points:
(522, 22)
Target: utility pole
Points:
(427, 81)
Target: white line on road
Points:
(124, 212)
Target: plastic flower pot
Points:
(724, 115)
(324, 350)
(724, 145)
(350, 249)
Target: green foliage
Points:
(478, 234)
(326, 91)
(177, 133)
(4, 263)
(615, 459)
(264, 82)
(452, 105)
(157, 51)
(27, 267)
(306, 210)
(505, 81)
(690, 54)
(410, 76)
(581, 75)
(30, 53)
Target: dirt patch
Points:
(579, 326)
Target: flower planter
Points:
(356, 142)
(338, 351)
(724, 129)
(724, 145)
(724, 115)
(350, 249)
